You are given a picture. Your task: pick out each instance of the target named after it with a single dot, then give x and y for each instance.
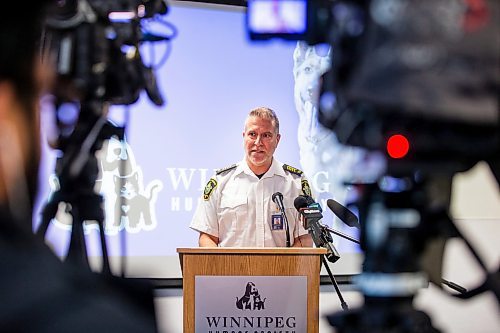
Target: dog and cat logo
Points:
(129, 203)
(250, 305)
(251, 299)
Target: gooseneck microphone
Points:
(343, 213)
(311, 211)
(278, 200)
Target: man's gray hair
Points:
(266, 113)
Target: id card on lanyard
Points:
(277, 221)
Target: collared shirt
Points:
(238, 208)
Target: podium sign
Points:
(251, 304)
(250, 290)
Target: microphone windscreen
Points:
(300, 202)
(309, 200)
(344, 214)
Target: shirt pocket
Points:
(233, 213)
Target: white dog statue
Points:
(326, 162)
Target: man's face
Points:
(260, 141)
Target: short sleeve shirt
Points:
(238, 209)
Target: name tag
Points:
(277, 222)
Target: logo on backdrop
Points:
(251, 299)
(128, 203)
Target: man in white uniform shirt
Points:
(237, 209)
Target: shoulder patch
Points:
(291, 169)
(306, 189)
(220, 171)
(209, 188)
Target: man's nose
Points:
(258, 140)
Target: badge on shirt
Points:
(209, 188)
(306, 189)
(277, 222)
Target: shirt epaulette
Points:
(220, 171)
(293, 170)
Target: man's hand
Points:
(207, 240)
(303, 241)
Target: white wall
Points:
(475, 194)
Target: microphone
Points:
(343, 213)
(311, 211)
(278, 200)
(302, 201)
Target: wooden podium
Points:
(272, 262)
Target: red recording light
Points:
(398, 146)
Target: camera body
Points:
(94, 46)
(427, 69)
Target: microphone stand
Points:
(338, 233)
(323, 239)
(278, 200)
(287, 229)
(335, 285)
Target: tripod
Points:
(77, 172)
(398, 227)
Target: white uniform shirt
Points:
(238, 209)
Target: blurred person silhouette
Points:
(39, 292)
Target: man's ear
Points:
(278, 137)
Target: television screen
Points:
(277, 17)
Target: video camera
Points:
(94, 45)
(427, 70)
(424, 72)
